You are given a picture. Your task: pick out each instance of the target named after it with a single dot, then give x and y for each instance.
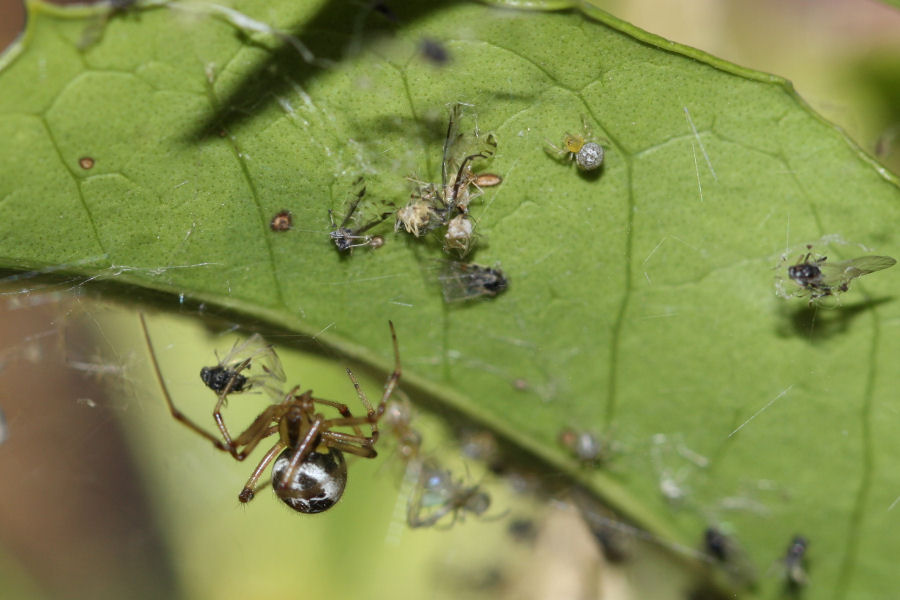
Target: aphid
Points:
(346, 238)
(437, 494)
(460, 235)
(467, 281)
(309, 472)
(587, 447)
(282, 221)
(819, 278)
(793, 562)
(415, 217)
(236, 372)
(587, 154)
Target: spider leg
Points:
(391, 384)
(555, 151)
(222, 397)
(301, 451)
(264, 425)
(249, 490)
(177, 414)
(339, 441)
(341, 408)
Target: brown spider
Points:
(309, 473)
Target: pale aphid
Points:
(460, 235)
(416, 217)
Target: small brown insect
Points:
(483, 180)
(86, 162)
(283, 221)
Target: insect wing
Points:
(843, 272)
(265, 368)
(460, 281)
(453, 137)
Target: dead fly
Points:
(467, 281)
(437, 495)
(587, 154)
(818, 278)
(346, 238)
(793, 563)
(248, 365)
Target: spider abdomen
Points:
(318, 483)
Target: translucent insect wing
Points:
(452, 139)
(459, 282)
(835, 274)
(265, 368)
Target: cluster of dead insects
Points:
(308, 468)
(440, 210)
(443, 209)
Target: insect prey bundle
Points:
(309, 472)
(444, 208)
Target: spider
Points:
(345, 238)
(309, 472)
(588, 155)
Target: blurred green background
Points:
(104, 495)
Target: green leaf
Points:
(641, 300)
